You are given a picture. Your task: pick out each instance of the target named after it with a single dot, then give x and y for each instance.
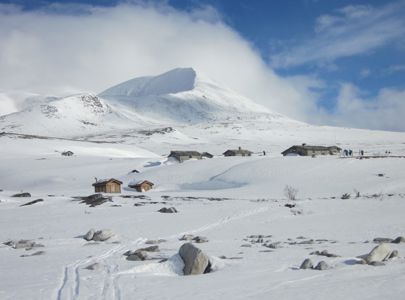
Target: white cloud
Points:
(355, 108)
(95, 48)
(352, 30)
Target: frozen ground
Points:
(249, 200)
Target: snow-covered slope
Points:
(74, 115)
(183, 95)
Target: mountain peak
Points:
(171, 82)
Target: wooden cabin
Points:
(238, 152)
(307, 150)
(107, 186)
(185, 155)
(142, 186)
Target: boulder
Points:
(200, 239)
(380, 240)
(379, 253)
(195, 261)
(167, 210)
(102, 235)
(394, 254)
(322, 265)
(306, 264)
(398, 240)
(89, 235)
(95, 199)
(151, 249)
(22, 195)
(151, 242)
(93, 267)
(138, 256)
(21, 244)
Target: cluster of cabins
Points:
(114, 186)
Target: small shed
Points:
(185, 155)
(142, 186)
(107, 186)
(67, 153)
(307, 150)
(238, 152)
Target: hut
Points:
(67, 153)
(307, 150)
(142, 186)
(238, 152)
(185, 155)
(107, 186)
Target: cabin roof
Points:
(105, 181)
(313, 148)
(242, 151)
(184, 153)
(141, 182)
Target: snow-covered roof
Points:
(104, 181)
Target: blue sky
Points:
(349, 56)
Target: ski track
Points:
(70, 285)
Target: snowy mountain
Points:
(183, 95)
(175, 97)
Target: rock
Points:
(398, 240)
(138, 256)
(361, 261)
(89, 235)
(22, 195)
(187, 237)
(307, 242)
(95, 199)
(379, 253)
(93, 267)
(151, 242)
(33, 254)
(195, 261)
(21, 244)
(324, 253)
(169, 210)
(380, 240)
(102, 235)
(246, 245)
(32, 202)
(322, 266)
(289, 205)
(306, 264)
(376, 263)
(200, 239)
(275, 245)
(149, 249)
(394, 254)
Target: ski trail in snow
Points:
(224, 221)
(70, 285)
